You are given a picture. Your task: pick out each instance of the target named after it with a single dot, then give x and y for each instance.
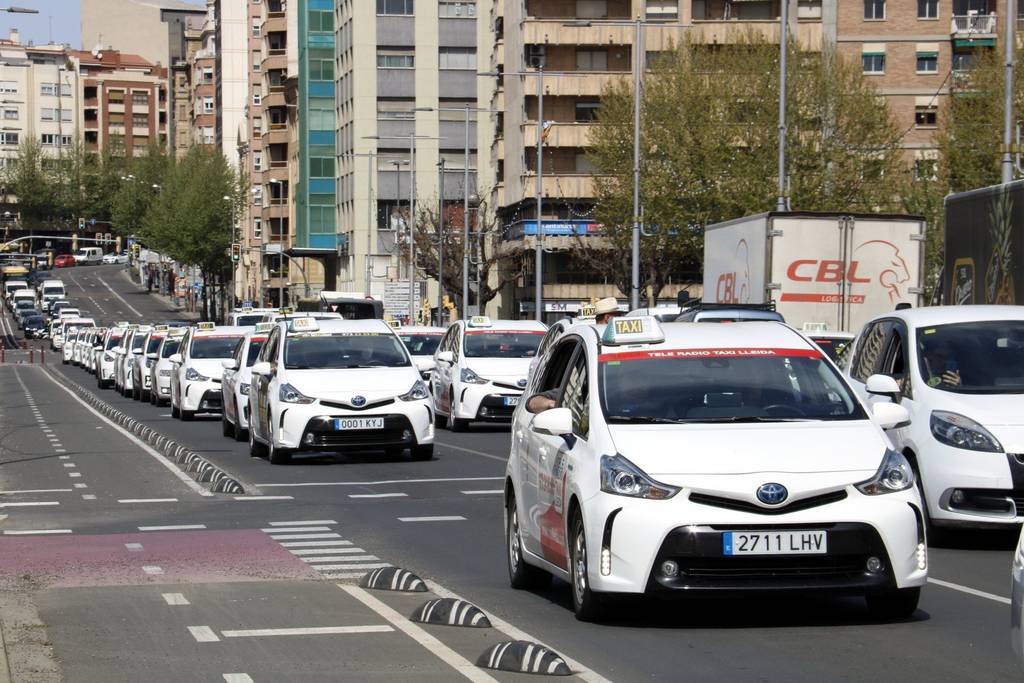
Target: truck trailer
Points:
(823, 271)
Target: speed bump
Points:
(393, 579)
(451, 612)
(523, 656)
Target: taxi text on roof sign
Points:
(640, 330)
(479, 321)
(206, 326)
(177, 332)
(122, 324)
(304, 325)
(394, 324)
(161, 328)
(285, 311)
(264, 327)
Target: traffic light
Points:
(74, 237)
(81, 224)
(117, 244)
(236, 252)
(135, 250)
(49, 259)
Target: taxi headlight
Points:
(958, 431)
(895, 474)
(290, 394)
(193, 376)
(243, 389)
(149, 363)
(471, 377)
(417, 393)
(622, 478)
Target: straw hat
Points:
(607, 305)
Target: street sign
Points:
(396, 298)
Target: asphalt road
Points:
(219, 596)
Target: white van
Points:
(50, 291)
(22, 295)
(89, 256)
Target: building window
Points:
(591, 60)
(207, 74)
(874, 63)
(403, 7)
(48, 139)
(321, 167)
(257, 194)
(925, 117)
(321, 21)
(319, 70)
(874, 10)
(7, 138)
(662, 10)
(48, 89)
(256, 67)
(257, 28)
(10, 114)
(257, 98)
(140, 99)
(50, 114)
(586, 111)
(257, 228)
(257, 161)
(927, 9)
(257, 125)
(8, 87)
(395, 109)
(463, 58)
(395, 59)
(927, 63)
(208, 135)
(926, 169)
(140, 120)
(115, 118)
(591, 9)
(456, 9)
(207, 105)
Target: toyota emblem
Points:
(521, 384)
(772, 494)
(359, 401)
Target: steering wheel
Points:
(784, 409)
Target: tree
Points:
(30, 179)
(708, 148)
(137, 187)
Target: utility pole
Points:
(538, 263)
(440, 243)
(465, 226)
(638, 70)
(781, 203)
(412, 226)
(1011, 44)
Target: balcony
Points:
(275, 22)
(273, 99)
(973, 26)
(277, 135)
(728, 31)
(567, 134)
(276, 173)
(559, 186)
(279, 211)
(275, 59)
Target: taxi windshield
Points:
(112, 341)
(978, 357)
(254, 350)
(421, 344)
(316, 351)
(154, 344)
(170, 348)
(71, 327)
(723, 385)
(137, 342)
(248, 320)
(498, 344)
(214, 347)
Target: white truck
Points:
(823, 271)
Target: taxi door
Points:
(259, 388)
(443, 374)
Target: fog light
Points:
(874, 565)
(957, 498)
(669, 569)
(483, 412)
(406, 435)
(606, 561)
(308, 438)
(922, 556)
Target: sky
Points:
(58, 20)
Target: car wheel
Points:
(425, 452)
(453, 423)
(896, 604)
(225, 427)
(174, 411)
(278, 456)
(585, 602)
(934, 535)
(521, 576)
(256, 449)
(236, 430)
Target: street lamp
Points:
(370, 156)
(19, 10)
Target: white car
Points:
(69, 347)
(1017, 601)
(112, 258)
(162, 369)
(107, 357)
(960, 371)
(684, 458)
(422, 342)
(237, 381)
(67, 327)
(12, 286)
(94, 350)
(142, 363)
(51, 291)
(481, 368)
(337, 385)
(131, 346)
(248, 317)
(197, 369)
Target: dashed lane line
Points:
(130, 308)
(237, 678)
(313, 544)
(383, 482)
(440, 518)
(488, 492)
(970, 591)
(147, 500)
(297, 530)
(313, 631)
(152, 570)
(250, 498)
(302, 537)
(378, 495)
(203, 634)
(175, 599)
(37, 503)
(303, 523)
(33, 532)
(11, 493)
(173, 527)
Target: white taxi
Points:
(130, 347)
(106, 358)
(196, 375)
(481, 368)
(682, 458)
(337, 385)
(142, 363)
(237, 381)
(247, 317)
(161, 370)
(68, 326)
(422, 341)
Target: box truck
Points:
(823, 271)
(985, 246)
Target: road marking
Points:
(435, 646)
(39, 503)
(296, 529)
(323, 551)
(147, 500)
(152, 570)
(377, 495)
(491, 492)
(74, 475)
(311, 521)
(344, 575)
(237, 678)
(104, 283)
(11, 493)
(302, 537)
(377, 483)
(175, 599)
(30, 532)
(970, 591)
(60, 450)
(310, 544)
(173, 527)
(133, 547)
(474, 452)
(339, 558)
(64, 457)
(81, 486)
(203, 634)
(354, 565)
(131, 437)
(448, 518)
(88, 496)
(264, 498)
(69, 464)
(315, 631)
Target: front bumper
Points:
(641, 534)
(990, 486)
(485, 402)
(311, 427)
(201, 397)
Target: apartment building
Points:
(186, 30)
(136, 26)
(202, 87)
(231, 27)
(39, 98)
(123, 100)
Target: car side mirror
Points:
(890, 415)
(555, 422)
(151, 356)
(883, 385)
(97, 347)
(228, 364)
(136, 352)
(446, 357)
(176, 358)
(262, 369)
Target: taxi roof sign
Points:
(177, 332)
(123, 324)
(161, 328)
(479, 321)
(206, 326)
(394, 324)
(304, 325)
(285, 310)
(815, 327)
(264, 327)
(638, 330)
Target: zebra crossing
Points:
(316, 543)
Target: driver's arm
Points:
(545, 400)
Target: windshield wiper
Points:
(643, 419)
(738, 419)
